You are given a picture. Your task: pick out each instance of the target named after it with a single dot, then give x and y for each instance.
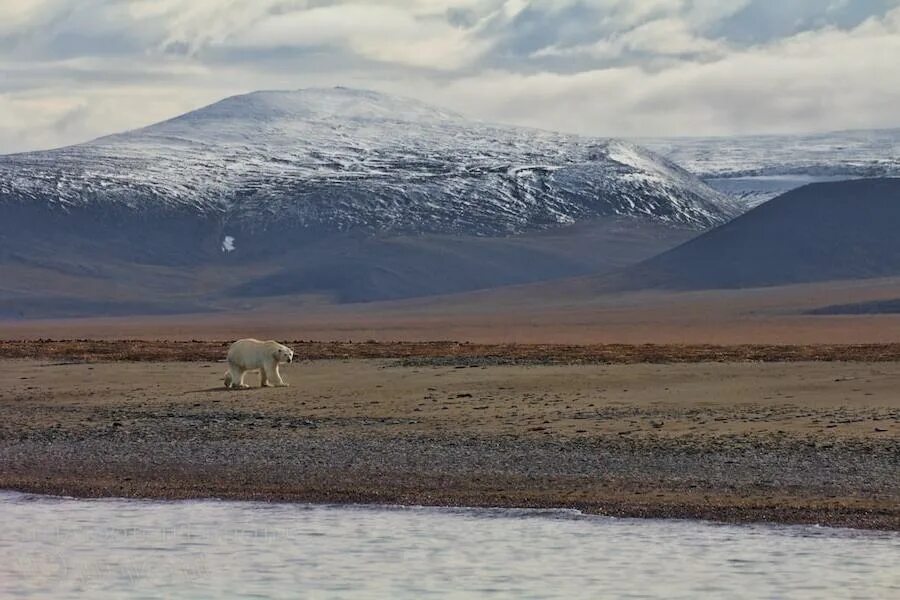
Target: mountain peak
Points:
(284, 107)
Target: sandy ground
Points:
(806, 442)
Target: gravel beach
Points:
(741, 441)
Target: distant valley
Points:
(757, 168)
(863, 153)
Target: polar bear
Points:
(254, 355)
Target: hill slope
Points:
(820, 232)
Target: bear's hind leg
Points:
(241, 383)
(235, 378)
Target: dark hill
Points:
(820, 232)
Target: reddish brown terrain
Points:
(570, 312)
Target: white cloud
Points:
(384, 33)
(821, 80)
(661, 37)
(25, 13)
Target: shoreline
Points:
(725, 515)
(741, 442)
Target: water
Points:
(65, 548)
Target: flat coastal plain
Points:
(732, 439)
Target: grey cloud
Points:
(764, 20)
(85, 29)
(462, 17)
(71, 119)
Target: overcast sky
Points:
(71, 70)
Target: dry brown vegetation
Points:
(445, 352)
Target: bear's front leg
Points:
(264, 379)
(270, 374)
(279, 382)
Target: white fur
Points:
(254, 355)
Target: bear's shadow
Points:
(221, 389)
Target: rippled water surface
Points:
(64, 548)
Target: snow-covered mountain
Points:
(341, 159)
(327, 195)
(756, 168)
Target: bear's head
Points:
(283, 354)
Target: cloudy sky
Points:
(71, 70)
